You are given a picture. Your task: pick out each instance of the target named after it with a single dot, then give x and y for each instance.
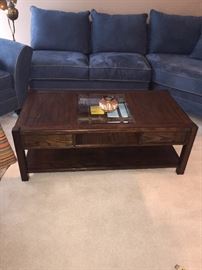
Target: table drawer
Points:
(47, 141)
(163, 138)
(107, 139)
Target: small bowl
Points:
(108, 104)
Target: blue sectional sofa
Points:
(175, 55)
(15, 63)
(101, 51)
(88, 55)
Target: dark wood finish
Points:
(20, 154)
(48, 127)
(186, 151)
(101, 159)
(106, 139)
(47, 141)
(163, 138)
(57, 111)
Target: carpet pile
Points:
(102, 220)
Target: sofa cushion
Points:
(119, 67)
(197, 52)
(173, 33)
(177, 71)
(59, 65)
(119, 33)
(58, 30)
(6, 80)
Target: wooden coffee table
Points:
(56, 139)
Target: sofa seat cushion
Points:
(6, 80)
(119, 67)
(177, 71)
(59, 65)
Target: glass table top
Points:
(90, 112)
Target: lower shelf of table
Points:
(47, 160)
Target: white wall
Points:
(183, 7)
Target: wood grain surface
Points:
(49, 128)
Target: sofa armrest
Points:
(15, 58)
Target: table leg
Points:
(20, 154)
(186, 150)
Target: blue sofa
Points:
(15, 63)
(118, 52)
(88, 55)
(175, 55)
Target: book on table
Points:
(90, 112)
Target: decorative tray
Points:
(90, 112)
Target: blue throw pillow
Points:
(197, 52)
(119, 33)
(173, 33)
(58, 30)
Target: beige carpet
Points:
(104, 220)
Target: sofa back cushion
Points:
(58, 30)
(173, 33)
(119, 33)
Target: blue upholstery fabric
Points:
(189, 106)
(8, 104)
(15, 63)
(119, 33)
(197, 52)
(6, 80)
(59, 65)
(8, 99)
(177, 71)
(87, 85)
(189, 102)
(58, 30)
(173, 33)
(8, 94)
(119, 67)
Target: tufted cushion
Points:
(173, 33)
(119, 67)
(197, 52)
(59, 65)
(58, 30)
(177, 71)
(119, 33)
